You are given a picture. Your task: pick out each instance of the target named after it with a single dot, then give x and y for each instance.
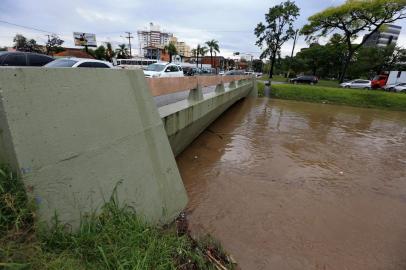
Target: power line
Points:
(27, 27)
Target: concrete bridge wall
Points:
(75, 134)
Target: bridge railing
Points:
(164, 86)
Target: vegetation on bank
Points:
(114, 239)
(340, 96)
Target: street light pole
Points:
(291, 55)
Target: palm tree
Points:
(194, 53)
(171, 49)
(122, 51)
(213, 47)
(109, 52)
(202, 51)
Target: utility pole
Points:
(129, 37)
(47, 45)
(291, 55)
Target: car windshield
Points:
(61, 63)
(155, 67)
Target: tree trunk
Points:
(211, 59)
(346, 65)
(272, 65)
(197, 60)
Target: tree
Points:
(202, 50)
(213, 47)
(171, 49)
(20, 42)
(194, 53)
(100, 53)
(110, 53)
(257, 65)
(122, 51)
(352, 18)
(53, 44)
(277, 30)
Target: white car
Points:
(359, 83)
(400, 87)
(163, 69)
(74, 62)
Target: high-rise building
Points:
(382, 38)
(152, 38)
(182, 47)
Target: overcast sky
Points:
(231, 22)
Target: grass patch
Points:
(114, 239)
(351, 97)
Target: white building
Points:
(387, 36)
(152, 37)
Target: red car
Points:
(379, 81)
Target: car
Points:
(400, 88)
(163, 69)
(390, 87)
(234, 72)
(23, 59)
(221, 73)
(358, 83)
(305, 79)
(74, 62)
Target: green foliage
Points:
(100, 53)
(16, 213)
(114, 239)
(122, 51)
(277, 30)
(351, 97)
(21, 43)
(351, 19)
(53, 44)
(171, 49)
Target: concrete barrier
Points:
(185, 120)
(73, 134)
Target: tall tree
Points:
(194, 53)
(53, 44)
(351, 19)
(213, 47)
(110, 53)
(278, 29)
(122, 51)
(202, 51)
(171, 49)
(100, 52)
(20, 42)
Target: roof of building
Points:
(74, 52)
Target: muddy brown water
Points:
(294, 185)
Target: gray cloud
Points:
(229, 21)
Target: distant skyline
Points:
(231, 22)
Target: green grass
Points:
(114, 239)
(351, 97)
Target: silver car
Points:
(400, 88)
(359, 83)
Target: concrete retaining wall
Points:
(73, 134)
(185, 120)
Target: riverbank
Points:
(114, 239)
(339, 96)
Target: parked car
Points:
(234, 72)
(163, 69)
(305, 79)
(400, 88)
(21, 59)
(74, 62)
(390, 87)
(358, 83)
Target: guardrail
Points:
(164, 86)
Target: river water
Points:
(295, 185)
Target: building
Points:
(152, 37)
(181, 46)
(73, 52)
(382, 38)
